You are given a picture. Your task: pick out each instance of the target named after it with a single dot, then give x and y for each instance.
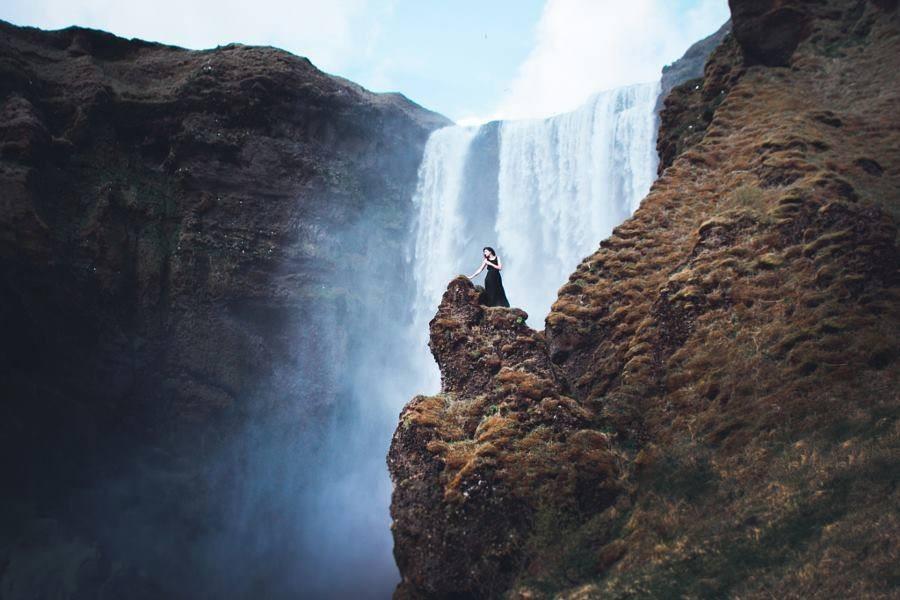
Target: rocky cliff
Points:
(691, 64)
(178, 230)
(711, 409)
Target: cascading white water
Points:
(565, 182)
(560, 185)
(438, 249)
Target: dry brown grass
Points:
(731, 427)
(773, 321)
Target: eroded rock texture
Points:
(727, 358)
(178, 234)
(502, 444)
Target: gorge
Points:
(208, 326)
(225, 273)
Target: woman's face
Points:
(487, 253)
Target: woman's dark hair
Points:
(489, 248)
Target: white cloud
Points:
(584, 46)
(332, 33)
(580, 46)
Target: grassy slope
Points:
(721, 420)
(746, 346)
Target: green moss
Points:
(858, 36)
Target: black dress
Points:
(493, 287)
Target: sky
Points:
(471, 60)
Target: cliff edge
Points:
(711, 410)
(177, 230)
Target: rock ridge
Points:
(728, 356)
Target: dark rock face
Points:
(177, 230)
(730, 353)
(770, 30)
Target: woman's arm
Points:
(480, 269)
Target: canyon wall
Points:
(711, 408)
(188, 242)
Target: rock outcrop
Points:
(689, 105)
(177, 230)
(690, 66)
(477, 464)
(724, 367)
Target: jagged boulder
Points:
(489, 469)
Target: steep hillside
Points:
(177, 233)
(711, 409)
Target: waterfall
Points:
(565, 182)
(542, 192)
(441, 223)
(439, 248)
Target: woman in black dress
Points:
(493, 284)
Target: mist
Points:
(300, 497)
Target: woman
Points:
(493, 283)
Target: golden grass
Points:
(732, 350)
